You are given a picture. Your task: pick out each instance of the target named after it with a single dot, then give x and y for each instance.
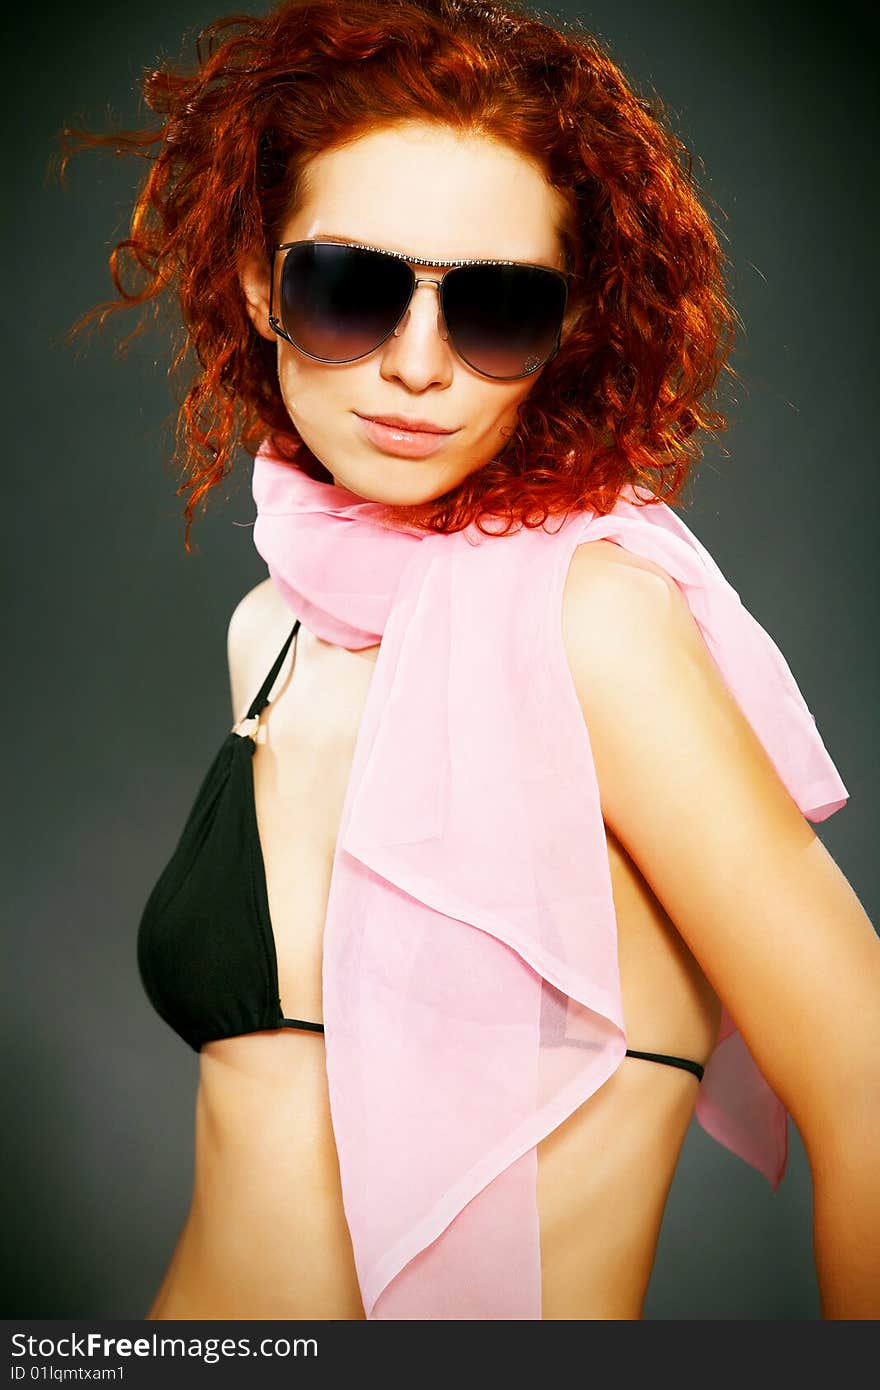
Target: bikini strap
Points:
(261, 699)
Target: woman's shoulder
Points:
(258, 626)
(602, 570)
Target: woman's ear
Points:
(253, 276)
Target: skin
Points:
(752, 890)
(733, 899)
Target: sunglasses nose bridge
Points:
(441, 325)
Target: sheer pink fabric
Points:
(471, 992)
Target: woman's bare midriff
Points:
(266, 1234)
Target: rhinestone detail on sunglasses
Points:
(418, 260)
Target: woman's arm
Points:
(688, 788)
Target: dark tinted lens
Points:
(504, 320)
(338, 302)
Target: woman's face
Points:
(425, 191)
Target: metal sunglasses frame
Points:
(275, 324)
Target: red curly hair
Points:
(624, 398)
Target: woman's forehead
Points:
(436, 196)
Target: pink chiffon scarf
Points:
(471, 993)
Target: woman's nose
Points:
(441, 326)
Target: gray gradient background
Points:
(117, 685)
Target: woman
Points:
(459, 969)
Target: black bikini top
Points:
(205, 945)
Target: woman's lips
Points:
(407, 444)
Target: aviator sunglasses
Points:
(339, 301)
